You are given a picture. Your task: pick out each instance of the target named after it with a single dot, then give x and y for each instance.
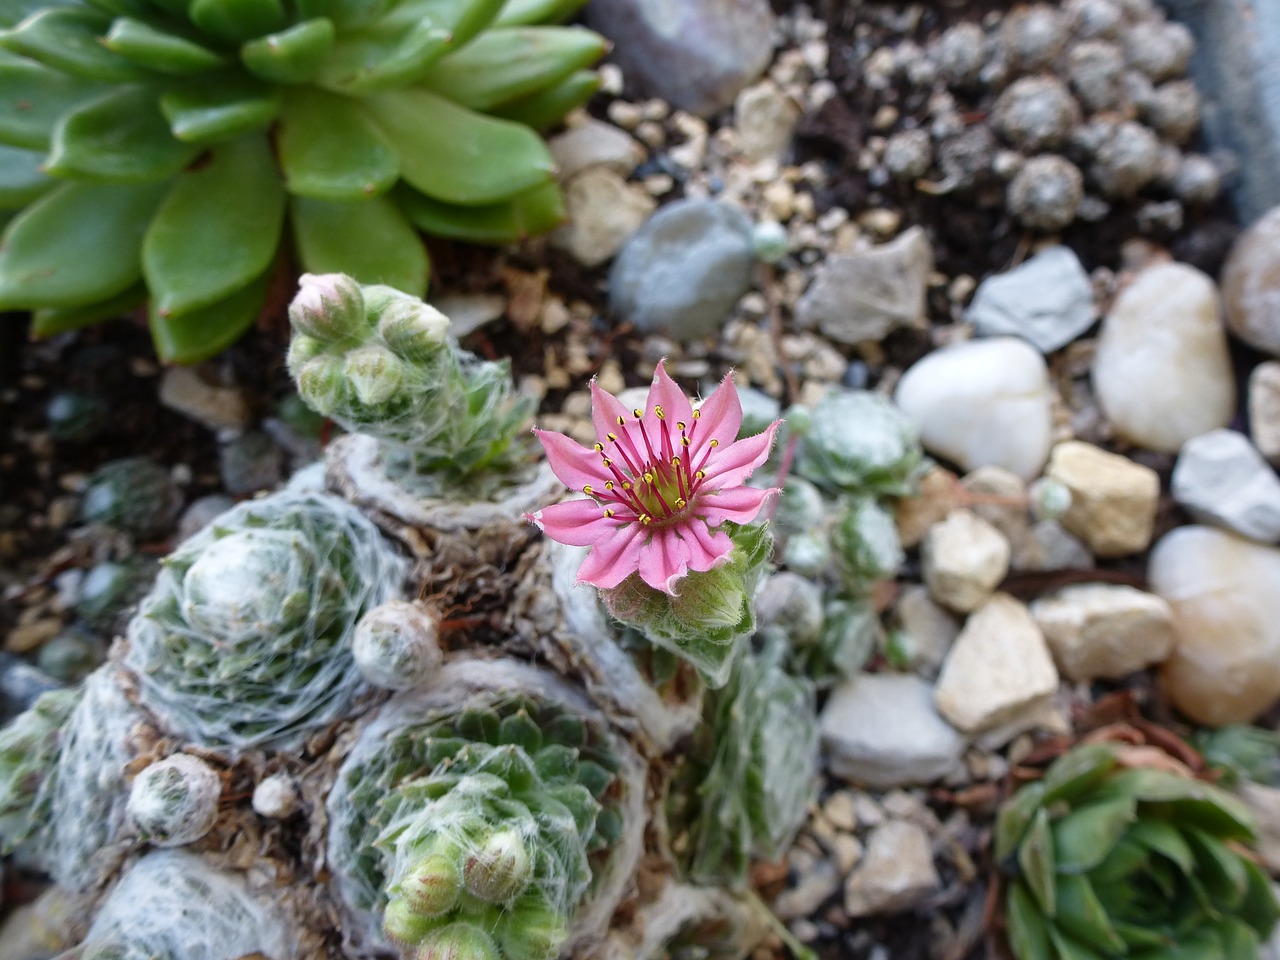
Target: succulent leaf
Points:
(202, 113)
(330, 150)
(527, 214)
(66, 38)
(519, 12)
(21, 178)
(34, 97)
(238, 201)
(158, 50)
(294, 55)
(47, 321)
(120, 137)
(549, 106)
(370, 238)
(235, 21)
(206, 331)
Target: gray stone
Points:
(1048, 546)
(765, 118)
(925, 630)
(866, 294)
(1222, 480)
(195, 393)
(695, 54)
(1264, 409)
(999, 669)
(595, 144)
(814, 886)
(1237, 67)
(896, 873)
(882, 730)
(1048, 301)
(684, 270)
(250, 463)
(201, 511)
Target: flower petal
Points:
(664, 560)
(707, 548)
(730, 464)
(606, 409)
(574, 464)
(579, 523)
(719, 418)
(614, 558)
(675, 405)
(739, 504)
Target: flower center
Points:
(654, 484)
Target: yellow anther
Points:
(637, 413)
(626, 484)
(608, 485)
(648, 477)
(608, 512)
(697, 414)
(680, 424)
(612, 436)
(680, 503)
(713, 443)
(621, 421)
(599, 447)
(645, 519)
(675, 461)
(607, 462)
(587, 489)
(657, 411)
(701, 474)
(684, 441)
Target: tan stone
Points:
(603, 210)
(1113, 499)
(1104, 630)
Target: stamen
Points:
(637, 413)
(613, 438)
(645, 519)
(648, 477)
(608, 485)
(713, 442)
(697, 414)
(700, 474)
(681, 503)
(684, 441)
(680, 425)
(675, 461)
(626, 484)
(607, 462)
(608, 512)
(621, 421)
(587, 489)
(657, 411)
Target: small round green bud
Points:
(329, 307)
(500, 868)
(374, 372)
(770, 242)
(458, 941)
(413, 330)
(396, 645)
(174, 801)
(320, 384)
(715, 604)
(301, 349)
(432, 886)
(403, 925)
(533, 932)
(1050, 498)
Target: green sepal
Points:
(522, 12)
(207, 331)
(294, 55)
(53, 320)
(1081, 914)
(209, 111)
(159, 50)
(369, 240)
(330, 150)
(531, 213)
(66, 39)
(1068, 947)
(35, 96)
(76, 245)
(236, 21)
(1015, 817)
(1028, 933)
(120, 137)
(509, 63)
(548, 107)
(217, 230)
(21, 177)
(1036, 861)
(1082, 837)
(1078, 771)
(457, 155)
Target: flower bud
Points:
(770, 242)
(403, 925)
(396, 645)
(715, 602)
(413, 330)
(500, 868)
(321, 385)
(432, 886)
(374, 374)
(533, 932)
(1050, 498)
(174, 801)
(458, 941)
(328, 307)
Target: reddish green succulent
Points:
(164, 151)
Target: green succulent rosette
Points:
(380, 362)
(858, 442)
(29, 746)
(165, 151)
(744, 789)
(482, 827)
(1115, 861)
(244, 640)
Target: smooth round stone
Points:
(1251, 284)
(983, 403)
(685, 269)
(1225, 666)
(1162, 374)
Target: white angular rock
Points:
(765, 118)
(926, 630)
(1221, 480)
(594, 144)
(1251, 284)
(963, 558)
(1264, 409)
(1225, 666)
(896, 872)
(1104, 630)
(982, 403)
(866, 294)
(603, 211)
(1113, 499)
(1161, 373)
(195, 393)
(1047, 301)
(882, 730)
(998, 669)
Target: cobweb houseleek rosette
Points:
(664, 485)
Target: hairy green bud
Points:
(374, 374)
(404, 925)
(433, 885)
(458, 941)
(174, 801)
(328, 307)
(500, 868)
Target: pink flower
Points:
(658, 483)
